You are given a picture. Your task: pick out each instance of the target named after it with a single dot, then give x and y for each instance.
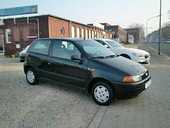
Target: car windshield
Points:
(96, 50)
(114, 43)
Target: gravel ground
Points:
(48, 105)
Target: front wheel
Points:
(31, 77)
(102, 93)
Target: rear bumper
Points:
(127, 90)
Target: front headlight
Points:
(131, 79)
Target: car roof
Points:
(104, 39)
(68, 39)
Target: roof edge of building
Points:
(50, 15)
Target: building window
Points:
(8, 36)
(92, 34)
(72, 32)
(86, 32)
(78, 33)
(18, 46)
(89, 34)
(82, 33)
(62, 31)
(95, 34)
(104, 34)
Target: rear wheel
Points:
(31, 77)
(102, 93)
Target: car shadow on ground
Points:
(18, 81)
(70, 89)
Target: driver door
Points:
(63, 67)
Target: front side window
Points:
(78, 33)
(41, 46)
(64, 49)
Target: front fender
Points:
(113, 78)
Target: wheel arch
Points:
(95, 80)
(26, 67)
(126, 55)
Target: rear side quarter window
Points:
(40, 46)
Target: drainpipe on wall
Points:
(69, 26)
(38, 28)
(3, 44)
(3, 32)
(14, 20)
(28, 20)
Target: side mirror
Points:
(76, 58)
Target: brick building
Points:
(16, 33)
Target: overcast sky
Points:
(122, 12)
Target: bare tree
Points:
(140, 28)
(137, 25)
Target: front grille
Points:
(145, 75)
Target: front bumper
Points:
(131, 89)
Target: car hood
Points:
(137, 51)
(132, 50)
(124, 65)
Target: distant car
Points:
(22, 54)
(85, 64)
(136, 55)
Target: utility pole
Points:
(160, 26)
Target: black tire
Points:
(110, 92)
(35, 80)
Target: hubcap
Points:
(101, 93)
(30, 76)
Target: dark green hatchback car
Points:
(87, 65)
